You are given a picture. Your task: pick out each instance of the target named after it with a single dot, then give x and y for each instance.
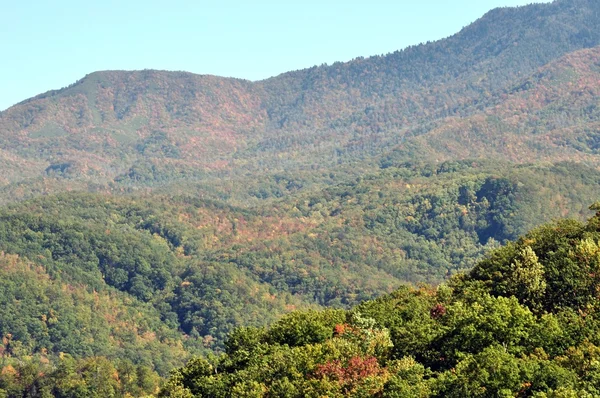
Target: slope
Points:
(197, 269)
(524, 322)
(145, 127)
(551, 115)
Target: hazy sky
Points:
(51, 44)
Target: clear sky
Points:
(51, 44)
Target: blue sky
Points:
(51, 44)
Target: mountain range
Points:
(179, 207)
(451, 99)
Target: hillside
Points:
(145, 282)
(175, 274)
(523, 323)
(147, 127)
(551, 115)
(277, 229)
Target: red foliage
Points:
(438, 311)
(350, 373)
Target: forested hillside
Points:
(278, 229)
(167, 277)
(549, 116)
(478, 92)
(523, 323)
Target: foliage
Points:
(217, 206)
(517, 84)
(491, 332)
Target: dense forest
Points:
(381, 227)
(522, 323)
(147, 281)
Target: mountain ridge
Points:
(139, 129)
(462, 38)
(191, 205)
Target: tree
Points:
(526, 279)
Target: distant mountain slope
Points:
(552, 115)
(442, 77)
(116, 125)
(109, 119)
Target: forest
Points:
(146, 282)
(414, 224)
(523, 322)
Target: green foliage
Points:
(201, 268)
(66, 377)
(494, 332)
(551, 267)
(333, 210)
(302, 328)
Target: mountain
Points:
(552, 115)
(147, 215)
(147, 126)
